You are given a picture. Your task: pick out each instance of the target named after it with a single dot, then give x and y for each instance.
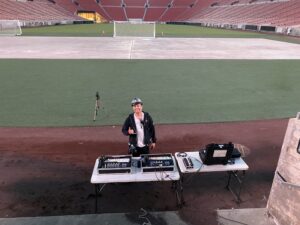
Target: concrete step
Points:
(251, 216)
(141, 217)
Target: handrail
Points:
(283, 181)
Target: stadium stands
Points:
(159, 3)
(93, 6)
(135, 3)
(260, 12)
(116, 13)
(281, 14)
(34, 11)
(184, 3)
(70, 5)
(172, 13)
(111, 3)
(134, 12)
(153, 14)
(148, 10)
(194, 9)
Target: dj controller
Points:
(157, 162)
(114, 164)
(125, 163)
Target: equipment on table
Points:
(187, 161)
(235, 153)
(157, 162)
(114, 164)
(216, 153)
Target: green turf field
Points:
(162, 30)
(62, 92)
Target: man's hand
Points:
(130, 131)
(152, 146)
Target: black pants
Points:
(140, 150)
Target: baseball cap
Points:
(136, 101)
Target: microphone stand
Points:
(97, 105)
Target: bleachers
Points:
(172, 13)
(154, 14)
(135, 3)
(194, 10)
(135, 13)
(38, 10)
(159, 3)
(273, 13)
(116, 13)
(184, 3)
(92, 6)
(149, 10)
(110, 2)
(69, 5)
(232, 12)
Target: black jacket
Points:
(149, 130)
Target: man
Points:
(140, 129)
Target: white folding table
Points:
(136, 175)
(233, 167)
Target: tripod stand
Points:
(97, 105)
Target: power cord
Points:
(194, 173)
(143, 216)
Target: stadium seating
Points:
(172, 14)
(154, 14)
(148, 10)
(86, 5)
(159, 3)
(135, 3)
(134, 12)
(69, 5)
(116, 13)
(184, 3)
(38, 10)
(110, 2)
(259, 12)
(278, 13)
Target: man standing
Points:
(140, 129)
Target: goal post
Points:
(10, 27)
(134, 28)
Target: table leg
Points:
(182, 202)
(98, 189)
(96, 197)
(179, 193)
(240, 182)
(176, 187)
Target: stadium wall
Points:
(283, 203)
(295, 31)
(292, 31)
(44, 23)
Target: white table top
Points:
(199, 167)
(136, 175)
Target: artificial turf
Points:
(62, 92)
(162, 30)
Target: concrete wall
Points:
(284, 199)
(295, 31)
